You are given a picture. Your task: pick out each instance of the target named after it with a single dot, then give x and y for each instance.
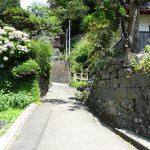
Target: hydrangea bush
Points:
(13, 46)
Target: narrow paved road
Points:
(61, 123)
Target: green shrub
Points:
(6, 80)
(30, 67)
(147, 49)
(29, 85)
(77, 84)
(41, 51)
(143, 66)
(20, 100)
(4, 101)
(80, 54)
(14, 100)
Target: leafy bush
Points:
(12, 100)
(4, 4)
(142, 65)
(14, 53)
(41, 51)
(80, 54)
(29, 85)
(30, 67)
(147, 49)
(20, 100)
(78, 84)
(4, 101)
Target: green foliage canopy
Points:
(4, 4)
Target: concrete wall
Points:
(60, 72)
(121, 98)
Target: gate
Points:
(60, 72)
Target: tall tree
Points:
(4, 4)
(133, 25)
(131, 32)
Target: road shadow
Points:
(72, 98)
(72, 103)
(76, 106)
(55, 101)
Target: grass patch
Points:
(9, 116)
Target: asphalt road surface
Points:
(62, 123)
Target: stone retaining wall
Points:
(121, 98)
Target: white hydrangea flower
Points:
(2, 32)
(25, 49)
(19, 47)
(25, 35)
(12, 52)
(1, 38)
(22, 48)
(3, 48)
(11, 34)
(10, 45)
(25, 39)
(5, 58)
(6, 41)
(20, 35)
(11, 37)
(9, 29)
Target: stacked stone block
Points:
(121, 98)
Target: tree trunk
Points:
(124, 36)
(133, 25)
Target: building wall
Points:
(144, 22)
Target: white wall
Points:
(144, 22)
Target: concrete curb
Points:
(8, 137)
(139, 142)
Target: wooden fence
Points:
(80, 77)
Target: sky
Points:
(26, 3)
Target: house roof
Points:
(145, 8)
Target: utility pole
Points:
(69, 37)
(66, 44)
